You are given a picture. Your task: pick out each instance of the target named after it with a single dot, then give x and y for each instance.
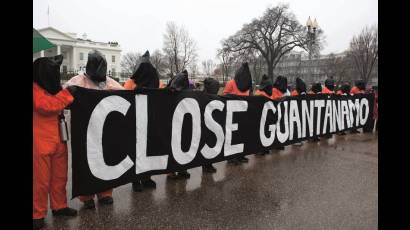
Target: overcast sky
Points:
(140, 25)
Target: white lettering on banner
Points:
(364, 103)
(345, 113)
(185, 106)
(319, 104)
(336, 116)
(328, 117)
(213, 126)
(95, 156)
(294, 118)
(282, 136)
(233, 106)
(357, 105)
(143, 163)
(267, 141)
(351, 109)
(307, 113)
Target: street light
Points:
(311, 37)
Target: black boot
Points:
(149, 183)
(65, 212)
(209, 168)
(354, 131)
(38, 223)
(243, 159)
(172, 176)
(89, 204)
(137, 186)
(184, 175)
(234, 161)
(106, 200)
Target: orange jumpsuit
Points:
(261, 93)
(110, 84)
(294, 93)
(356, 90)
(339, 92)
(130, 84)
(276, 94)
(49, 153)
(325, 90)
(231, 88)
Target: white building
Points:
(75, 51)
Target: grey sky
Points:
(139, 25)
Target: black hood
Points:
(46, 73)
(211, 86)
(300, 85)
(266, 85)
(330, 84)
(146, 57)
(317, 88)
(345, 88)
(179, 82)
(146, 76)
(360, 84)
(281, 84)
(243, 78)
(96, 68)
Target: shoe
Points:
(354, 131)
(172, 176)
(89, 204)
(184, 175)
(234, 161)
(328, 136)
(137, 186)
(243, 159)
(38, 223)
(149, 183)
(342, 133)
(315, 139)
(65, 212)
(209, 168)
(280, 148)
(106, 200)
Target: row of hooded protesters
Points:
(50, 99)
(50, 156)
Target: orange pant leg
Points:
(41, 182)
(105, 194)
(58, 180)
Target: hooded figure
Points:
(211, 86)
(280, 87)
(316, 88)
(96, 68)
(265, 87)
(50, 158)
(179, 82)
(46, 73)
(242, 82)
(344, 89)
(300, 87)
(359, 87)
(145, 76)
(329, 86)
(146, 57)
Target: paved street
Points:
(332, 184)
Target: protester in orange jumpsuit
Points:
(329, 87)
(300, 88)
(280, 88)
(241, 85)
(178, 83)
(95, 78)
(49, 151)
(211, 86)
(316, 89)
(344, 90)
(146, 76)
(359, 88)
(265, 87)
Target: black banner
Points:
(117, 136)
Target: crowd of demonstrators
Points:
(50, 156)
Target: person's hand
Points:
(72, 89)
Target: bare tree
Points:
(336, 67)
(130, 62)
(158, 61)
(179, 48)
(226, 57)
(364, 51)
(273, 35)
(208, 66)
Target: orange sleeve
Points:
(130, 84)
(354, 90)
(294, 93)
(228, 88)
(50, 104)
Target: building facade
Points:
(75, 51)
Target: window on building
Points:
(113, 71)
(113, 59)
(81, 56)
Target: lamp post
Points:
(311, 38)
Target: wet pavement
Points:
(332, 184)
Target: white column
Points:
(74, 59)
(42, 53)
(58, 50)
